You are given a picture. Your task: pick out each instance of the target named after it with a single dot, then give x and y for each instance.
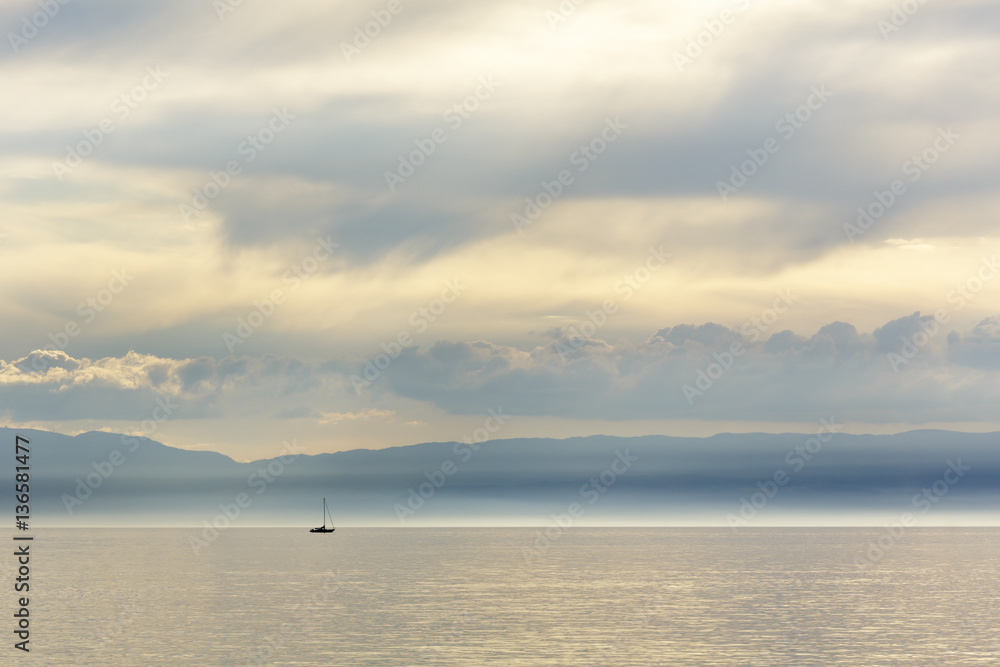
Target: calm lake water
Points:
(427, 596)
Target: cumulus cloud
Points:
(47, 385)
(685, 131)
(685, 371)
(691, 371)
(978, 348)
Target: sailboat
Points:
(323, 528)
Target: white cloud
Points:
(371, 413)
(324, 176)
(944, 376)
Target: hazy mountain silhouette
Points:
(521, 480)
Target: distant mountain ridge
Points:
(100, 478)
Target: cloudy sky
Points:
(368, 224)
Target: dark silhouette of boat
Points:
(323, 528)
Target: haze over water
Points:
(595, 596)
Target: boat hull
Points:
(323, 528)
